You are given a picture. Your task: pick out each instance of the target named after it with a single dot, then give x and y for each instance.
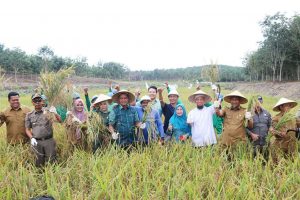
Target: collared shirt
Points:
(261, 124)
(40, 124)
(168, 111)
(154, 124)
(15, 124)
(124, 121)
(234, 126)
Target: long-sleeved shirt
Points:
(15, 124)
(87, 102)
(153, 122)
(261, 124)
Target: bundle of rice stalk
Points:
(53, 85)
(286, 118)
(251, 104)
(97, 130)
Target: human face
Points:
(257, 107)
(179, 111)
(79, 106)
(152, 94)
(173, 99)
(37, 103)
(123, 99)
(103, 106)
(144, 103)
(285, 107)
(235, 102)
(14, 102)
(200, 100)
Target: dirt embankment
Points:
(287, 89)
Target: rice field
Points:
(174, 171)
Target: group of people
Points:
(130, 120)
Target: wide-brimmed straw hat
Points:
(115, 97)
(236, 93)
(145, 98)
(102, 98)
(199, 93)
(284, 101)
(173, 92)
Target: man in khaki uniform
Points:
(39, 128)
(14, 118)
(234, 120)
(285, 138)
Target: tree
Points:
(46, 53)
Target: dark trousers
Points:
(45, 151)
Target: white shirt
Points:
(201, 121)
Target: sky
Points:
(143, 35)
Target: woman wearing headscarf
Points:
(178, 125)
(76, 125)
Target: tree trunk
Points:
(298, 71)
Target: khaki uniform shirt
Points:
(40, 124)
(234, 126)
(15, 124)
(289, 140)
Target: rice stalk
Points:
(54, 85)
(286, 118)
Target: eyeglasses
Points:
(37, 100)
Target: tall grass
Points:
(174, 171)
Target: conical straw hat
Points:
(115, 97)
(199, 92)
(284, 101)
(101, 98)
(236, 94)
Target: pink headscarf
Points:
(81, 115)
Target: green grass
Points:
(175, 171)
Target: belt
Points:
(45, 138)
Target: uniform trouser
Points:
(286, 149)
(260, 149)
(45, 151)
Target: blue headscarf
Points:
(179, 122)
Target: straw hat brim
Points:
(102, 98)
(282, 102)
(243, 100)
(115, 97)
(192, 97)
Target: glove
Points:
(248, 115)
(52, 109)
(216, 104)
(76, 120)
(33, 142)
(115, 135)
(143, 126)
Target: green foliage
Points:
(278, 56)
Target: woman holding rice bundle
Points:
(178, 124)
(76, 125)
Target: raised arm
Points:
(160, 96)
